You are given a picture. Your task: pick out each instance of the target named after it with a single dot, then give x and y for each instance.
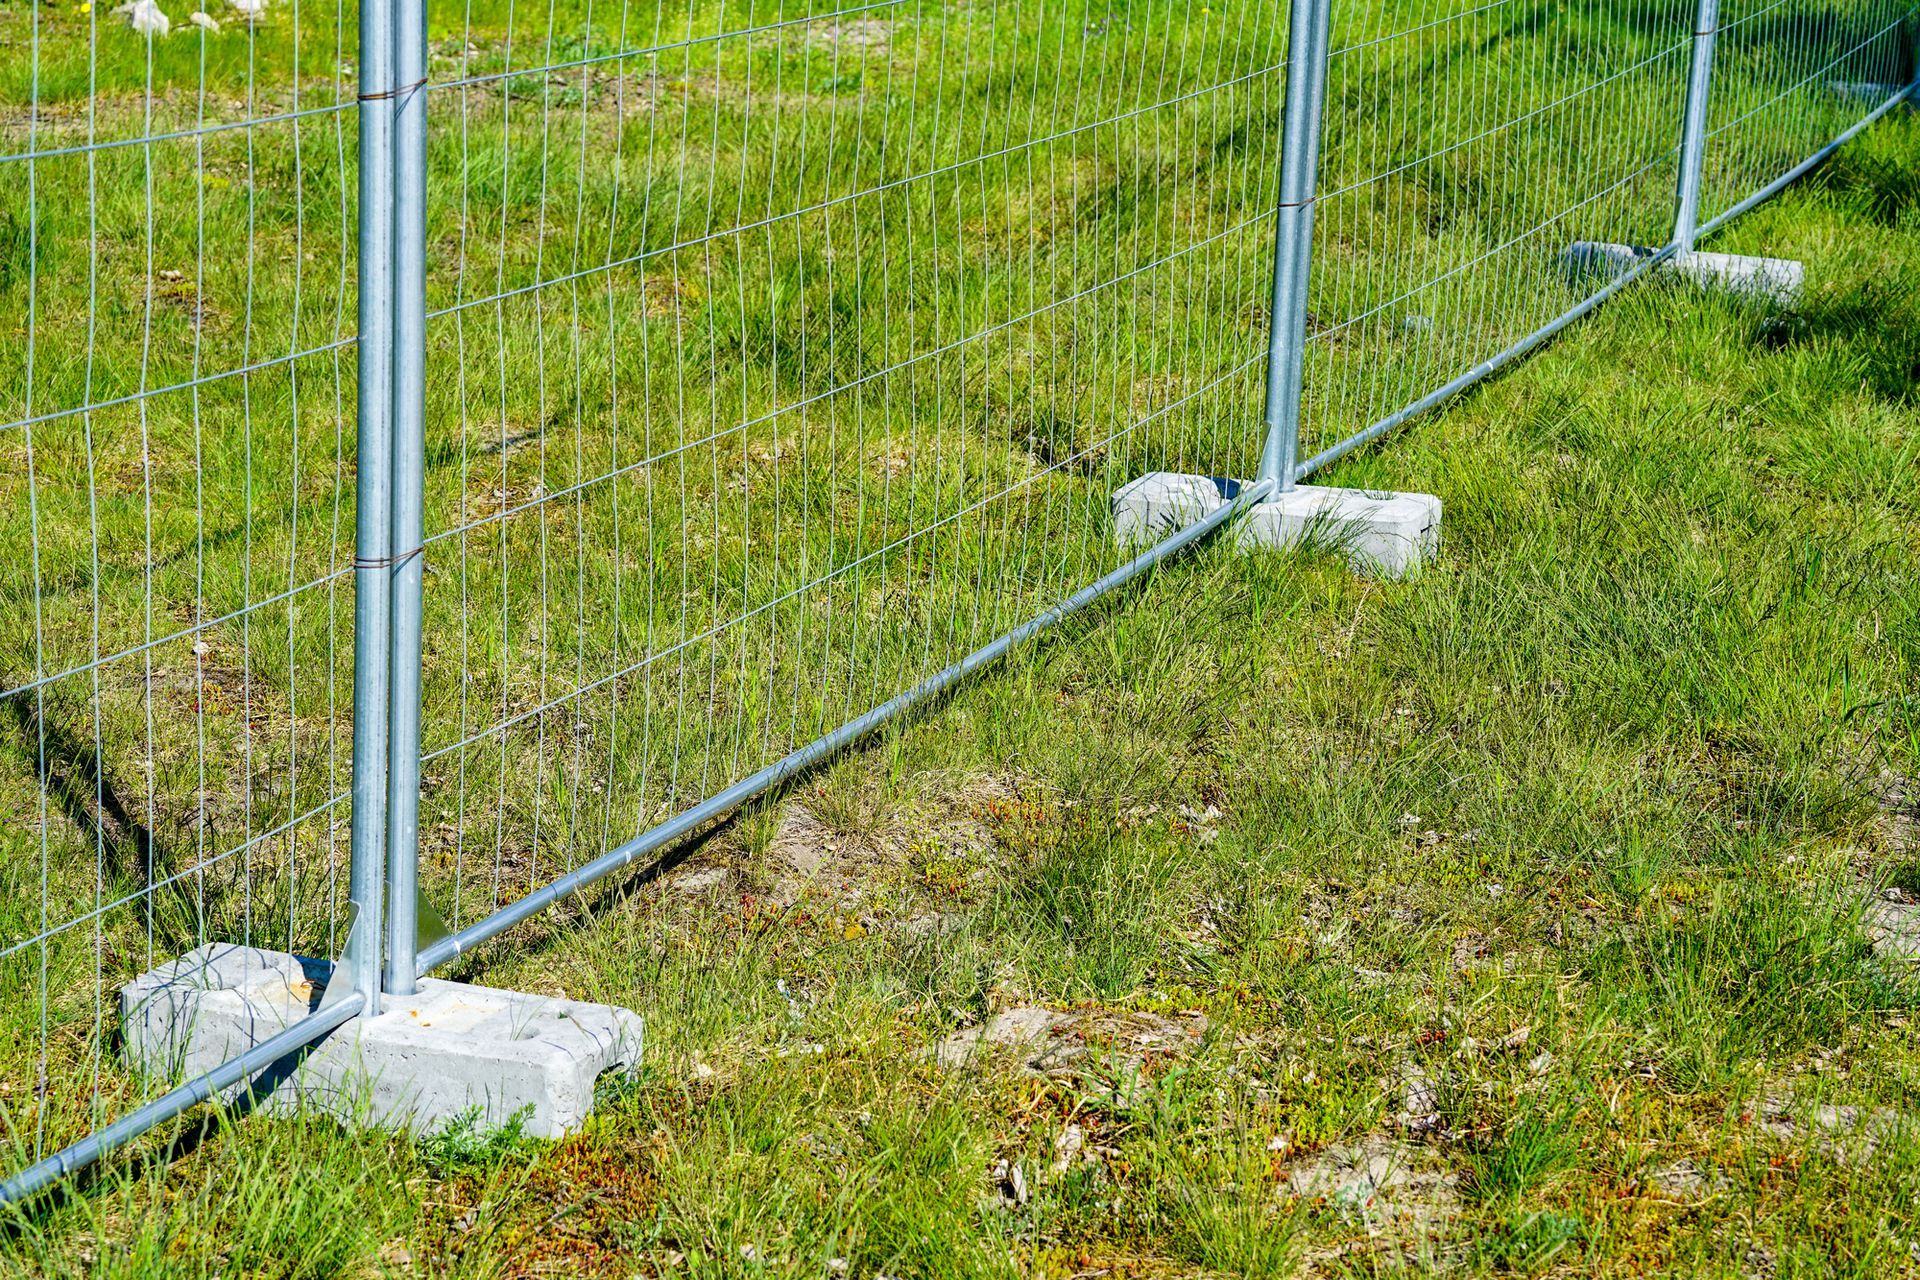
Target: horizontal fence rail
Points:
(455, 451)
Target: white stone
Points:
(1160, 503)
(146, 18)
(1390, 534)
(425, 1060)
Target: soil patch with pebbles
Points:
(1385, 1184)
(836, 865)
(1851, 1135)
(1111, 1054)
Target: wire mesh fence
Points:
(176, 401)
(1466, 146)
(789, 354)
(1790, 78)
(738, 372)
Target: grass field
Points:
(1541, 915)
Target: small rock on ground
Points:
(1022, 1027)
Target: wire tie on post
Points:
(398, 91)
(387, 562)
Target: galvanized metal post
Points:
(409, 219)
(1307, 26)
(1693, 126)
(373, 493)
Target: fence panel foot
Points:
(1385, 534)
(1389, 535)
(1774, 282)
(447, 1052)
(1160, 503)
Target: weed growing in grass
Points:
(1523, 1152)
(467, 1142)
(1529, 1243)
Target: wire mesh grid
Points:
(1466, 146)
(176, 508)
(1789, 76)
(782, 354)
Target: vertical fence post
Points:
(373, 493)
(409, 218)
(1693, 127)
(1307, 26)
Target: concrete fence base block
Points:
(1391, 534)
(1388, 534)
(1869, 94)
(449, 1051)
(1160, 503)
(1774, 281)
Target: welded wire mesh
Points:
(1789, 76)
(1466, 145)
(176, 456)
(783, 353)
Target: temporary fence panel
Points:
(782, 355)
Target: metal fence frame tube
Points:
(38, 1177)
(1693, 125)
(409, 230)
(373, 497)
(446, 949)
(1307, 34)
(1811, 163)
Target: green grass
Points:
(1580, 826)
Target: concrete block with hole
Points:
(1163, 502)
(424, 1061)
(1390, 535)
(1774, 282)
(1387, 534)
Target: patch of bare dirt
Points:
(859, 33)
(1848, 1134)
(1381, 1182)
(1900, 813)
(1110, 1056)
(1891, 919)
(1892, 924)
(833, 852)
